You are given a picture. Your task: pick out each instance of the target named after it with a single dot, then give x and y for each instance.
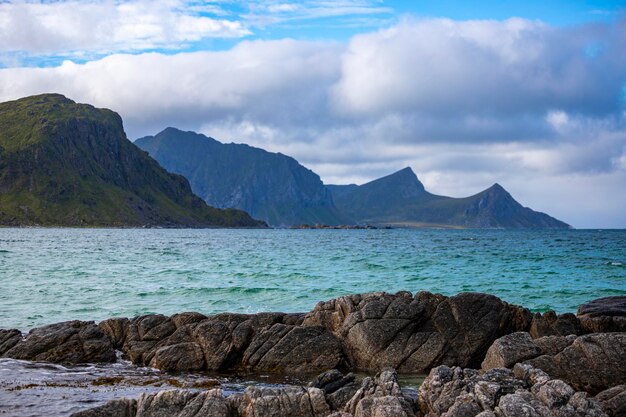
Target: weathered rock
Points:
(446, 386)
(525, 403)
(293, 349)
(592, 363)
(115, 408)
(606, 306)
(331, 381)
(284, 402)
(144, 334)
(224, 338)
(603, 324)
(387, 406)
(67, 342)
(526, 391)
(603, 315)
(8, 339)
(551, 345)
(380, 397)
(412, 334)
(193, 342)
(509, 350)
(180, 403)
(179, 357)
(183, 319)
(364, 331)
(613, 401)
(338, 388)
(116, 329)
(549, 324)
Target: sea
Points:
(51, 275)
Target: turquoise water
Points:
(50, 275)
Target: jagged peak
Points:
(404, 177)
(498, 190)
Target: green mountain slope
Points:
(400, 199)
(270, 186)
(69, 164)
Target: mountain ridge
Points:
(266, 185)
(270, 186)
(386, 201)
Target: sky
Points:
(528, 94)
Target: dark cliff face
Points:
(401, 199)
(270, 186)
(69, 164)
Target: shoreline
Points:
(412, 334)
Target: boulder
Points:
(8, 339)
(410, 333)
(144, 335)
(293, 349)
(603, 324)
(551, 324)
(224, 338)
(607, 306)
(69, 342)
(591, 363)
(551, 345)
(194, 342)
(603, 315)
(613, 401)
(283, 402)
(509, 350)
(182, 403)
(115, 408)
(180, 357)
(116, 329)
(337, 387)
(380, 396)
(413, 334)
(524, 391)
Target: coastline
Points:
(375, 332)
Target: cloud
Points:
(480, 68)
(40, 32)
(466, 104)
(77, 27)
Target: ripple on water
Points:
(58, 274)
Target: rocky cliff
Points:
(270, 186)
(69, 164)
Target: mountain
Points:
(69, 164)
(400, 199)
(270, 186)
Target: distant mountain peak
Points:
(406, 170)
(171, 129)
(400, 198)
(497, 189)
(405, 178)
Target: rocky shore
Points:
(484, 357)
